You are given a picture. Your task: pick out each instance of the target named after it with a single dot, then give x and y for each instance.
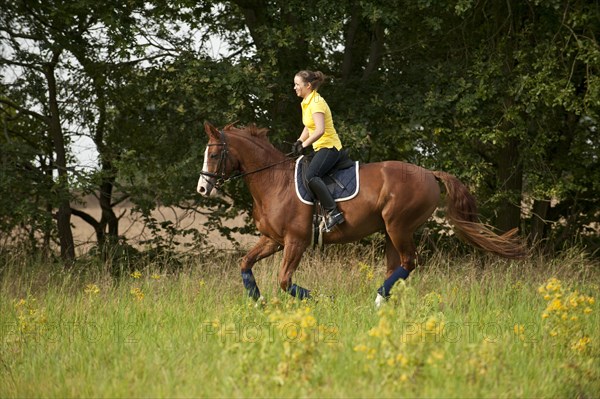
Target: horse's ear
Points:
(211, 131)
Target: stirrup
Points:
(333, 218)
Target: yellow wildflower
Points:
(581, 344)
(308, 321)
(155, 276)
(401, 359)
(555, 305)
(360, 348)
(136, 274)
(430, 324)
(21, 302)
(137, 293)
(382, 330)
(542, 289)
(91, 289)
(435, 356)
(438, 355)
(519, 329)
(433, 298)
(31, 319)
(553, 284)
(371, 354)
(366, 271)
(573, 302)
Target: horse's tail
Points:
(461, 211)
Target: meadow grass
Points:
(461, 326)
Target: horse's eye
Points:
(214, 156)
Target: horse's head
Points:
(218, 161)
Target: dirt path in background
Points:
(134, 230)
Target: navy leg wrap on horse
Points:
(250, 284)
(298, 292)
(399, 273)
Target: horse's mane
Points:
(257, 135)
(251, 129)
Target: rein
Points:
(220, 174)
(260, 169)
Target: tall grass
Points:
(461, 326)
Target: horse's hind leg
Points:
(400, 257)
(264, 248)
(292, 254)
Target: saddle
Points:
(343, 184)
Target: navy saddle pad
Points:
(343, 185)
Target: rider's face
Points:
(301, 87)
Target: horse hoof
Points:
(260, 302)
(380, 300)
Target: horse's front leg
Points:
(264, 248)
(292, 254)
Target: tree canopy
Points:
(505, 95)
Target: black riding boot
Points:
(334, 216)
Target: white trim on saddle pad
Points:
(297, 183)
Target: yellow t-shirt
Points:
(315, 103)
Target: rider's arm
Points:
(319, 119)
(304, 134)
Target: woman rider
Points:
(321, 134)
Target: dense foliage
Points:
(505, 95)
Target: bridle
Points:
(221, 176)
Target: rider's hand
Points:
(297, 148)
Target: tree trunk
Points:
(350, 39)
(510, 167)
(376, 50)
(110, 236)
(63, 216)
(510, 184)
(109, 219)
(538, 220)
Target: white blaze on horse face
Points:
(205, 184)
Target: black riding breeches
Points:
(323, 161)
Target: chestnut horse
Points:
(395, 198)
